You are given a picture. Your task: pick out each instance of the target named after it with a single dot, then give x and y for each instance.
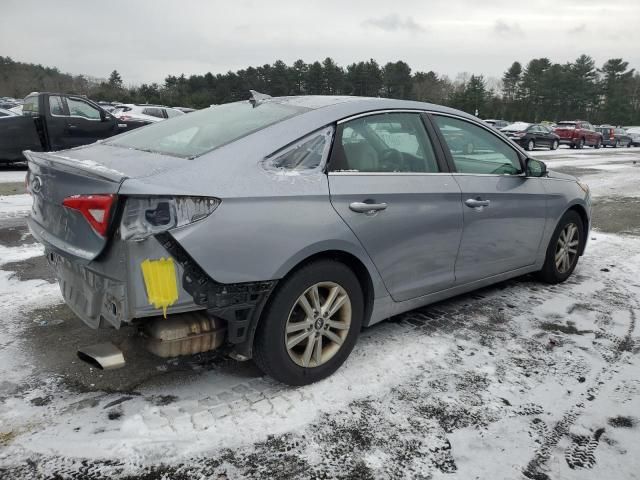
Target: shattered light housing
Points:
(146, 216)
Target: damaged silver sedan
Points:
(280, 227)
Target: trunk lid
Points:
(93, 170)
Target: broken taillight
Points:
(146, 216)
(96, 209)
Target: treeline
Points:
(539, 90)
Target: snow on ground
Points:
(12, 206)
(12, 176)
(519, 380)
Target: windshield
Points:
(516, 127)
(200, 132)
(570, 125)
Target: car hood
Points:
(561, 176)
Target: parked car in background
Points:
(53, 121)
(381, 212)
(577, 134)
(634, 133)
(497, 124)
(614, 136)
(532, 135)
(145, 114)
(7, 113)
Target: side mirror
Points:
(535, 168)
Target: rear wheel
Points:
(311, 324)
(564, 249)
(530, 145)
(580, 143)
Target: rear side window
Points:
(30, 106)
(154, 112)
(477, 151)
(389, 142)
(172, 113)
(56, 107)
(80, 108)
(200, 132)
(306, 154)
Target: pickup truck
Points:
(55, 121)
(577, 134)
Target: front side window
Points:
(388, 142)
(192, 135)
(475, 150)
(56, 107)
(80, 108)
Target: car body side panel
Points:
(297, 221)
(506, 234)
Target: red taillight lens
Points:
(95, 208)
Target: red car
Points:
(577, 134)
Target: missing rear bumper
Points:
(239, 304)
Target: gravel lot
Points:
(519, 380)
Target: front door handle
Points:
(475, 203)
(370, 208)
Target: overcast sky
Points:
(147, 39)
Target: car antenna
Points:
(257, 98)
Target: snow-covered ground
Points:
(519, 380)
(12, 176)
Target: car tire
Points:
(530, 145)
(553, 272)
(275, 349)
(598, 144)
(580, 143)
(555, 145)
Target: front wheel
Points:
(564, 249)
(311, 324)
(598, 144)
(554, 145)
(530, 145)
(580, 143)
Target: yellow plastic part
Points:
(160, 281)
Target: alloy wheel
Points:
(567, 247)
(318, 324)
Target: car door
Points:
(504, 211)
(58, 123)
(389, 182)
(87, 123)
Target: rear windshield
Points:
(192, 135)
(516, 127)
(566, 125)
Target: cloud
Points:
(504, 29)
(579, 29)
(393, 23)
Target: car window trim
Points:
(449, 157)
(441, 162)
(65, 107)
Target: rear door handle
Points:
(361, 207)
(474, 203)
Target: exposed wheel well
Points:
(356, 266)
(579, 209)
